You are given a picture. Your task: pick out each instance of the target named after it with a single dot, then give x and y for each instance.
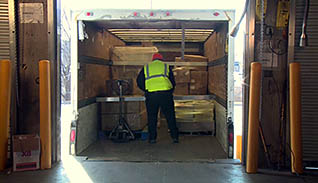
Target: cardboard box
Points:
(135, 121)
(128, 107)
(181, 89)
(134, 113)
(113, 89)
(136, 90)
(26, 152)
(133, 53)
(125, 72)
(198, 83)
(181, 75)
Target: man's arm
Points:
(141, 80)
(171, 78)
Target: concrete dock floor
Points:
(73, 170)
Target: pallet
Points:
(196, 127)
(196, 133)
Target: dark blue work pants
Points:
(164, 101)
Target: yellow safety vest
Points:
(157, 76)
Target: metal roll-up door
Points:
(4, 30)
(308, 58)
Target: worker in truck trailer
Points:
(157, 81)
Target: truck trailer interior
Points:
(111, 48)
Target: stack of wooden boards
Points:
(195, 115)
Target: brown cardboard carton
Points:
(26, 152)
(136, 90)
(134, 113)
(181, 75)
(113, 89)
(128, 107)
(124, 72)
(198, 83)
(181, 89)
(136, 121)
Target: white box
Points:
(26, 152)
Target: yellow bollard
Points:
(45, 113)
(239, 147)
(253, 118)
(295, 117)
(5, 98)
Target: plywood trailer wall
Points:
(92, 77)
(99, 42)
(217, 81)
(216, 51)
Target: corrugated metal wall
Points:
(4, 30)
(308, 57)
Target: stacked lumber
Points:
(195, 115)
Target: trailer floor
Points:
(190, 149)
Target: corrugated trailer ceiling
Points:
(159, 30)
(161, 35)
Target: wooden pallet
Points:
(203, 133)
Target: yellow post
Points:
(45, 113)
(295, 118)
(5, 97)
(239, 147)
(253, 118)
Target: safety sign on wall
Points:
(31, 13)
